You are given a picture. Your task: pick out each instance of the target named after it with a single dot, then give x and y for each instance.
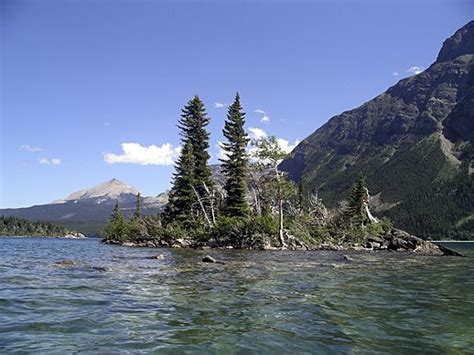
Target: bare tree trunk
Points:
(366, 209)
(202, 207)
(280, 210)
(211, 198)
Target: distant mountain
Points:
(414, 143)
(87, 211)
(113, 189)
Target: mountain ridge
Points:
(412, 141)
(88, 210)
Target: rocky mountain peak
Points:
(462, 42)
(111, 189)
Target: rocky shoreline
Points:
(394, 240)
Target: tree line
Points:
(15, 226)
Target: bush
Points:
(239, 232)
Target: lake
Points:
(117, 301)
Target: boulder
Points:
(156, 257)
(399, 240)
(208, 259)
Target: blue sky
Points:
(81, 78)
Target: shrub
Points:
(241, 232)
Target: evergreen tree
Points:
(117, 228)
(182, 197)
(193, 124)
(235, 167)
(356, 202)
(137, 214)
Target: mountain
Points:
(113, 189)
(414, 143)
(87, 211)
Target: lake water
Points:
(117, 301)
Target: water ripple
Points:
(114, 299)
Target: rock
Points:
(156, 257)
(376, 239)
(66, 263)
(128, 244)
(373, 245)
(397, 239)
(208, 259)
(348, 258)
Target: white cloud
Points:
(53, 161)
(286, 146)
(135, 153)
(265, 119)
(29, 148)
(415, 70)
(257, 133)
(218, 105)
(395, 73)
(260, 111)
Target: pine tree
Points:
(116, 229)
(193, 124)
(235, 166)
(356, 202)
(137, 214)
(182, 197)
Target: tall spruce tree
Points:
(356, 201)
(137, 214)
(193, 124)
(193, 174)
(182, 197)
(235, 166)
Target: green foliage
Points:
(358, 199)
(358, 234)
(235, 167)
(240, 232)
(15, 226)
(306, 228)
(193, 123)
(117, 229)
(137, 214)
(193, 174)
(182, 198)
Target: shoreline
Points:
(393, 241)
(46, 236)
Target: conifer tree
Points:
(235, 166)
(357, 201)
(193, 124)
(116, 229)
(137, 214)
(182, 197)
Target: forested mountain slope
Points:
(414, 143)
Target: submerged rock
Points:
(157, 257)
(66, 263)
(208, 259)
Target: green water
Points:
(117, 301)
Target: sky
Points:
(92, 90)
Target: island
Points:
(253, 205)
